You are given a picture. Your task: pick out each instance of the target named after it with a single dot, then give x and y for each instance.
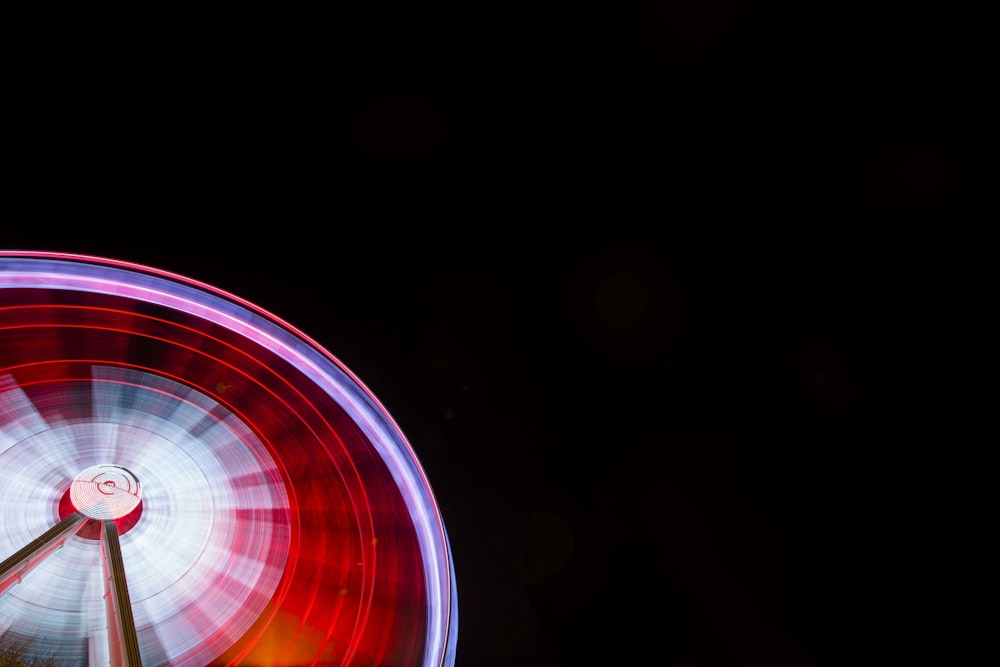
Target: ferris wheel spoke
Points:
(34, 552)
(123, 642)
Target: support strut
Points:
(122, 641)
(34, 552)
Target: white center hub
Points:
(105, 492)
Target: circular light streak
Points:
(270, 510)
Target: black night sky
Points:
(650, 287)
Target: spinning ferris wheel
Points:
(186, 479)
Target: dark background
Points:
(654, 288)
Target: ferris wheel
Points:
(186, 479)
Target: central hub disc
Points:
(105, 492)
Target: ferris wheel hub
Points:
(105, 492)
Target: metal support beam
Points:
(122, 641)
(33, 553)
